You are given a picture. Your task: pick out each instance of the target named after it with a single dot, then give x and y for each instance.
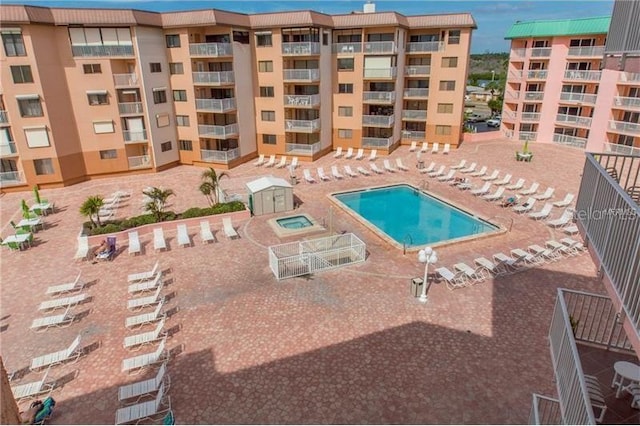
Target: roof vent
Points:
(369, 7)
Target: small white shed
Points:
(270, 194)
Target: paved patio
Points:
(345, 346)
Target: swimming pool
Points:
(406, 215)
(294, 222)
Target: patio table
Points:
(41, 206)
(32, 223)
(18, 238)
(624, 370)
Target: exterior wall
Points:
(327, 87)
(244, 91)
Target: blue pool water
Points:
(402, 210)
(295, 222)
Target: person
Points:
(104, 248)
(29, 417)
(509, 201)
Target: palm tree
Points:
(91, 207)
(158, 201)
(211, 185)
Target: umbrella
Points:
(36, 194)
(25, 209)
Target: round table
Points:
(625, 370)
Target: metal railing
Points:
(139, 161)
(216, 105)
(537, 74)
(385, 73)
(130, 108)
(218, 132)
(414, 134)
(301, 74)
(545, 411)
(414, 114)
(622, 101)
(511, 94)
(519, 53)
(378, 97)
(301, 48)
(586, 51)
(134, 135)
(11, 178)
(509, 115)
(8, 150)
(530, 116)
(629, 77)
(416, 93)
(417, 70)
(214, 78)
(425, 46)
(4, 117)
(377, 142)
(533, 96)
(355, 47)
(125, 80)
(302, 126)
(540, 52)
(302, 100)
(583, 98)
(101, 50)
(621, 149)
(380, 47)
(527, 136)
(570, 140)
(582, 75)
(378, 120)
(302, 148)
(624, 127)
(210, 49)
(212, 156)
(574, 119)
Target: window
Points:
(265, 66)
(92, 68)
(445, 108)
(13, 44)
(264, 40)
(345, 133)
(30, 107)
(21, 74)
(159, 96)
(182, 120)
(37, 137)
(345, 88)
(266, 92)
(43, 166)
(108, 154)
(345, 64)
(443, 130)
(185, 145)
(165, 146)
(268, 115)
(241, 37)
(449, 62)
(162, 120)
(155, 67)
(325, 39)
(176, 68)
(344, 111)
(98, 98)
(454, 36)
(447, 85)
(103, 127)
(173, 40)
(180, 95)
(269, 139)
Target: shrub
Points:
(107, 229)
(195, 212)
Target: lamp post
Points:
(426, 256)
(493, 75)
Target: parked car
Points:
(476, 118)
(494, 122)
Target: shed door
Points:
(267, 202)
(279, 200)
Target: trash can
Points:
(416, 287)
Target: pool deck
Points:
(349, 345)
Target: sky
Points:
(494, 18)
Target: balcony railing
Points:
(379, 47)
(125, 80)
(515, 75)
(511, 95)
(212, 50)
(8, 150)
(624, 127)
(378, 120)
(302, 149)
(629, 77)
(380, 73)
(582, 75)
(540, 52)
(301, 75)
(545, 411)
(134, 135)
(533, 96)
(346, 47)
(216, 78)
(4, 117)
(417, 70)
(216, 105)
(412, 114)
(425, 46)
(11, 178)
(139, 162)
(570, 140)
(586, 51)
(97, 51)
(302, 126)
(509, 115)
(414, 135)
(378, 97)
(621, 149)
(416, 93)
(218, 132)
(537, 74)
(574, 119)
(301, 48)
(225, 157)
(530, 116)
(527, 136)
(377, 142)
(583, 98)
(625, 102)
(518, 53)
(302, 100)
(126, 108)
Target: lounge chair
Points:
(71, 287)
(336, 174)
(544, 254)
(543, 213)
(496, 269)
(482, 190)
(360, 154)
(438, 172)
(294, 163)
(567, 216)
(146, 318)
(138, 340)
(143, 276)
(526, 259)
(145, 360)
(448, 177)
(575, 247)
(388, 167)
(546, 195)
(425, 147)
(495, 196)
(228, 228)
(283, 162)
(473, 275)
(373, 155)
(143, 302)
(447, 148)
(400, 165)
(70, 354)
(338, 153)
(146, 285)
(570, 230)
(564, 203)
(453, 280)
(527, 206)
(260, 161)
(134, 242)
(434, 149)
(349, 153)
(481, 172)
(414, 146)
(83, 249)
(470, 169)
(349, 172)
(62, 320)
(144, 387)
(205, 232)
(460, 165)
(518, 185)
(428, 169)
(374, 168)
(492, 176)
(308, 177)
(461, 183)
(271, 162)
(363, 171)
(183, 235)
(559, 248)
(322, 175)
(159, 242)
(532, 189)
(32, 389)
(145, 410)
(506, 262)
(63, 302)
(505, 180)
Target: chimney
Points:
(369, 7)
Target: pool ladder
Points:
(510, 219)
(404, 243)
(424, 185)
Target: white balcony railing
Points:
(509, 115)
(624, 127)
(380, 47)
(377, 142)
(629, 77)
(302, 126)
(416, 93)
(216, 105)
(212, 156)
(378, 97)
(380, 73)
(530, 116)
(540, 52)
(574, 119)
(515, 75)
(4, 117)
(569, 140)
(533, 96)
(301, 74)
(583, 98)
(101, 50)
(216, 78)
(213, 50)
(412, 114)
(518, 53)
(347, 47)
(621, 149)
(301, 48)
(527, 136)
(625, 102)
(11, 178)
(139, 162)
(378, 120)
(126, 108)
(302, 148)
(134, 135)
(537, 74)
(417, 70)
(586, 51)
(511, 95)
(582, 75)
(414, 135)
(302, 100)
(425, 46)
(8, 149)
(218, 132)
(125, 80)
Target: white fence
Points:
(306, 257)
(545, 411)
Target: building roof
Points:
(559, 27)
(267, 182)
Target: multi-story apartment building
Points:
(93, 92)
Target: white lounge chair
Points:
(83, 249)
(363, 171)
(544, 254)
(145, 360)
(260, 161)
(559, 248)
(447, 147)
(283, 162)
(546, 195)
(473, 275)
(146, 285)
(76, 285)
(134, 242)
(183, 235)
(434, 149)
(428, 169)
(144, 387)
(159, 242)
(62, 320)
(146, 318)
(294, 163)
(414, 146)
(570, 230)
(453, 280)
(496, 269)
(271, 162)
(564, 203)
(145, 410)
(470, 169)
(143, 276)
(518, 185)
(425, 147)
(143, 302)
(492, 176)
(575, 247)
(506, 261)
(349, 153)
(532, 189)
(373, 155)
(336, 174)
(481, 172)
(32, 389)
(63, 302)
(349, 172)
(388, 167)
(400, 165)
(495, 196)
(439, 172)
(526, 206)
(448, 177)
(322, 175)
(484, 189)
(505, 180)
(567, 216)
(360, 154)
(146, 338)
(338, 153)
(70, 354)
(308, 177)
(374, 168)
(460, 165)
(205, 232)
(525, 259)
(228, 228)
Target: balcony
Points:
(509, 115)
(568, 140)
(622, 149)
(302, 101)
(586, 51)
(540, 52)
(8, 150)
(378, 97)
(306, 75)
(414, 115)
(378, 120)
(629, 77)
(377, 142)
(530, 116)
(302, 148)
(210, 50)
(302, 126)
(425, 47)
(515, 75)
(11, 179)
(216, 105)
(304, 48)
(225, 157)
(346, 47)
(417, 93)
(380, 47)
(218, 132)
(518, 53)
(217, 78)
(414, 135)
(101, 50)
(537, 74)
(533, 96)
(581, 98)
(4, 117)
(380, 73)
(576, 120)
(511, 95)
(624, 127)
(580, 75)
(134, 136)
(622, 102)
(125, 80)
(417, 70)
(139, 162)
(130, 108)
(527, 136)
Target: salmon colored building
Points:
(101, 92)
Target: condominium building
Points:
(96, 92)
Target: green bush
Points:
(107, 229)
(133, 222)
(195, 212)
